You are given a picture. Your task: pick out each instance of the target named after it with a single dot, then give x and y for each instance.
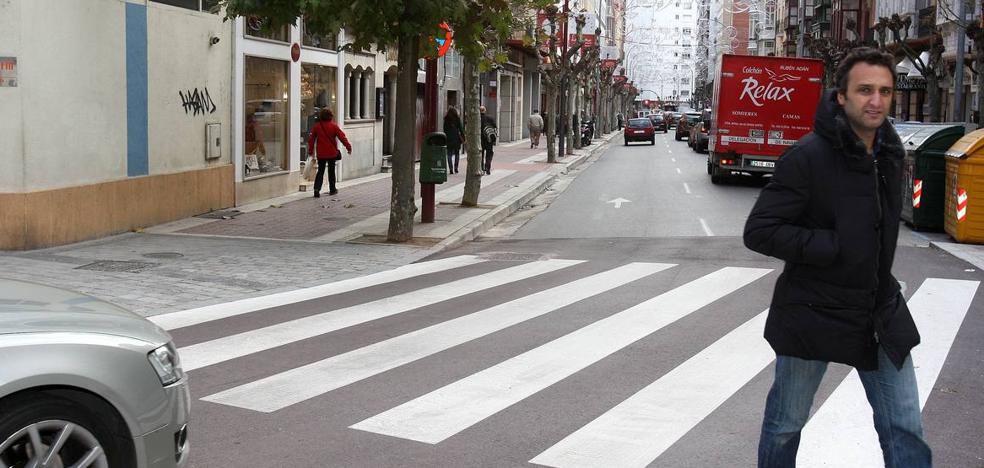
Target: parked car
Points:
(639, 130)
(659, 123)
(683, 125)
(698, 132)
(88, 381)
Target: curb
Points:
(502, 211)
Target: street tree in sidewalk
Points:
(479, 32)
(976, 34)
(932, 70)
(383, 23)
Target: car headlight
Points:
(166, 363)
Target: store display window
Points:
(266, 116)
(260, 28)
(319, 90)
(320, 41)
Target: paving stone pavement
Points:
(274, 245)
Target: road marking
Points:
(296, 385)
(843, 425)
(642, 427)
(618, 202)
(686, 188)
(673, 159)
(678, 171)
(261, 339)
(444, 412)
(198, 315)
(707, 229)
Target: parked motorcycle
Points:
(587, 132)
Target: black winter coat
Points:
(831, 212)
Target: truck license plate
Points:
(762, 163)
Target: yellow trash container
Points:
(964, 208)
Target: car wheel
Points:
(626, 142)
(677, 136)
(36, 424)
(652, 141)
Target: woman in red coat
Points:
(322, 139)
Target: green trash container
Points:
(434, 159)
(924, 168)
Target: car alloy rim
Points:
(53, 444)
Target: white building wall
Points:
(181, 60)
(72, 92)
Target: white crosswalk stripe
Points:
(186, 318)
(843, 425)
(638, 430)
(287, 388)
(455, 407)
(242, 344)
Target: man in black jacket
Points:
(831, 212)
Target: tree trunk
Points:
(473, 134)
(551, 121)
(933, 92)
(402, 207)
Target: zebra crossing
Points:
(633, 432)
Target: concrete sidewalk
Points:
(286, 243)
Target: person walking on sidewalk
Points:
(489, 136)
(455, 134)
(536, 128)
(831, 211)
(321, 142)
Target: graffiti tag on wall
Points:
(199, 102)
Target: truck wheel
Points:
(717, 175)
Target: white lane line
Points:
(185, 318)
(678, 171)
(843, 425)
(686, 188)
(296, 385)
(642, 427)
(707, 229)
(253, 341)
(446, 411)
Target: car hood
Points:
(35, 308)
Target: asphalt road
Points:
(617, 342)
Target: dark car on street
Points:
(640, 130)
(659, 123)
(683, 125)
(698, 137)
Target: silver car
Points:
(86, 383)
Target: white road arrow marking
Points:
(618, 202)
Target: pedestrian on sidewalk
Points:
(321, 142)
(489, 136)
(831, 211)
(536, 128)
(455, 134)
(619, 118)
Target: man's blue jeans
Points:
(893, 397)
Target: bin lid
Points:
(436, 139)
(969, 144)
(923, 136)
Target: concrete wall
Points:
(86, 149)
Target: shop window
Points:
(260, 27)
(266, 93)
(211, 6)
(320, 41)
(319, 90)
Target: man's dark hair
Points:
(867, 55)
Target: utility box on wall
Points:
(213, 141)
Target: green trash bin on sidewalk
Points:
(924, 168)
(434, 159)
